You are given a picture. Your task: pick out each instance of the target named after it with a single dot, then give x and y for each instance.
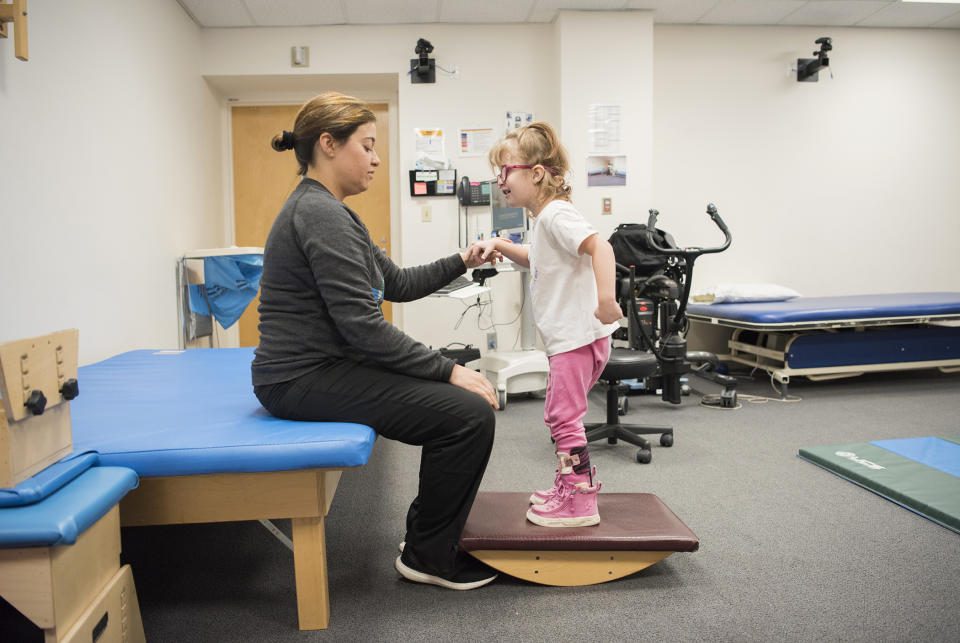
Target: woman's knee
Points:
(482, 420)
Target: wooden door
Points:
(264, 178)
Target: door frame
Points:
(252, 96)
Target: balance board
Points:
(636, 530)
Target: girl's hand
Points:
(608, 311)
(481, 252)
(475, 383)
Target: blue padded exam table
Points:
(190, 426)
(842, 336)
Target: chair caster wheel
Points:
(644, 456)
(666, 440)
(622, 405)
(611, 440)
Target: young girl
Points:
(574, 305)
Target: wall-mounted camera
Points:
(808, 68)
(423, 69)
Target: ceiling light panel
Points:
(287, 13)
(218, 13)
(750, 12)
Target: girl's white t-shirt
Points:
(563, 285)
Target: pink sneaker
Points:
(573, 506)
(543, 496)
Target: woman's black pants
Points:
(455, 428)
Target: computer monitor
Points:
(504, 218)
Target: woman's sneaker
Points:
(470, 574)
(573, 506)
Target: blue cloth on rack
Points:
(230, 284)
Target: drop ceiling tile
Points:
(750, 12)
(830, 13)
(546, 10)
(283, 13)
(672, 11)
(369, 12)
(488, 11)
(909, 14)
(950, 22)
(218, 13)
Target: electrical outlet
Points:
(607, 206)
(426, 214)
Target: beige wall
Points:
(109, 169)
(114, 159)
(501, 67)
(553, 70)
(842, 186)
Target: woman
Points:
(327, 354)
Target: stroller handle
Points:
(689, 253)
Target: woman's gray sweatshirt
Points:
(320, 294)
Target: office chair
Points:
(627, 363)
(653, 293)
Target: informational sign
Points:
(428, 149)
(516, 120)
(604, 129)
(476, 141)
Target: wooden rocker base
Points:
(569, 568)
(636, 530)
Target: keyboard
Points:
(456, 284)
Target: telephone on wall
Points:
(473, 193)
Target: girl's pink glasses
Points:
(505, 170)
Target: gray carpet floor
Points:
(788, 551)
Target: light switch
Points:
(426, 214)
(607, 206)
(299, 56)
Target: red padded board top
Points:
(628, 522)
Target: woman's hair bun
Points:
(284, 141)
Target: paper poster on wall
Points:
(516, 120)
(445, 181)
(604, 129)
(476, 141)
(606, 171)
(428, 149)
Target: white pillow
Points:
(740, 293)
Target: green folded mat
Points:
(928, 491)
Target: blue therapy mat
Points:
(934, 452)
(921, 474)
(170, 413)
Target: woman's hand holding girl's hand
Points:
(608, 311)
(475, 383)
(481, 252)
